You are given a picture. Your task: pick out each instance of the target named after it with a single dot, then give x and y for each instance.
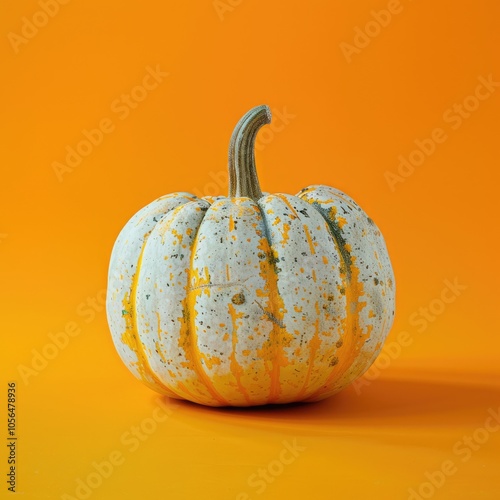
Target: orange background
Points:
(351, 121)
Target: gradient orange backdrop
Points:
(347, 106)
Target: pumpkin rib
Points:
(235, 367)
(353, 291)
(314, 343)
(126, 250)
(374, 273)
(275, 315)
(189, 309)
(310, 308)
(381, 296)
(189, 304)
(308, 346)
(131, 335)
(386, 317)
(228, 254)
(152, 290)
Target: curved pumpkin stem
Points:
(243, 179)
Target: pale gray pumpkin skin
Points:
(253, 298)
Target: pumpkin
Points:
(253, 298)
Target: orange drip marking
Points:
(353, 338)
(188, 337)
(309, 239)
(164, 228)
(286, 236)
(160, 353)
(287, 203)
(314, 345)
(235, 367)
(272, 351)
(158, 327)
(183, 389)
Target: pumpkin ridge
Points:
(120, 280)
(354, 289)
(167, 220)
(131, 336)
(233, 376)
(188, 328)
(169, 245)
(320, 350)
(386, 317)
(275, 316)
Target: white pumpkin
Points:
(253, 298)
